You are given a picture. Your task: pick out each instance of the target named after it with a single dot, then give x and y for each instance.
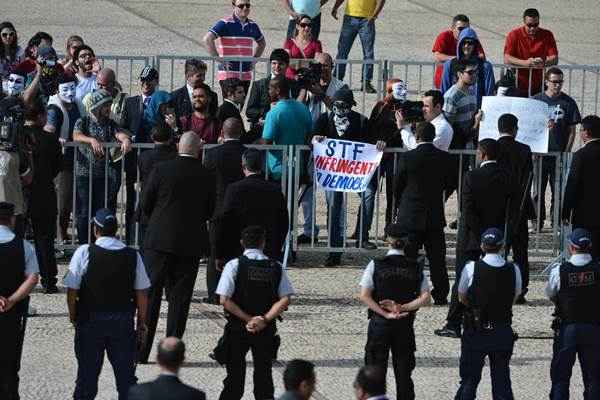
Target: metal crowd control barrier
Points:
(127, 69)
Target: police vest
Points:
(579, 293)
(256, 285)
(493, 291)
(12, 273)
(396, 278)
(108, 284)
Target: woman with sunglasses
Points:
(68, 63)
(302, 46)
(11, 54)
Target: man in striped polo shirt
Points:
(234, 36)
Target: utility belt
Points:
(473, 320)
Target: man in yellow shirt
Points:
(359, 18)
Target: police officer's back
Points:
(488, 289)
(254, 290)
(574, 286)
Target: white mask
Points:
(15, 85)
(399, 91)
(66, 92)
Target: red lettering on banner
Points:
(334, 162)
(342, 165)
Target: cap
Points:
(580, 238)
(395, 230)
(99, 97)
(492, 237)
(148, 74)
(103, 217)
(6, 209)
(344, 94)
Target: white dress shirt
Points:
(553, 286)
(31, 263)
(443, 134)
(493, 260)
(366, 281)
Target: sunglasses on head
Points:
(305, 24)
(242, 6)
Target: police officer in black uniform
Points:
(254, 290)
(574, 286)
(107, 284)
(394, 288)
(18, 276)
(488, 288)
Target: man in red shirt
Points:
(531, 48)
(202, 121)
(444, 47)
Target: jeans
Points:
(315, 27)
(308, 202)
(96, 191)
(336, 217)
(366, 209)
(579, 340)
(366, 31)
(104, 331)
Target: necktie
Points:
(146, 101)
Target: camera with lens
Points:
(11, 124)
(412, 111)
(309, 76)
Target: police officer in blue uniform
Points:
(394, 288)
(107, 283)
(19, 273)
(574, 286)
(254, 290)
(488, 288)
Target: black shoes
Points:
(333, 260)
(211, 300)
(440, 302)
(448, 331)
(453, 225)
(368, 88)
(305, 239)
(521, 300)
(366, 245)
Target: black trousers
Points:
(520, 246)
(212, 275)
(131, 176)
(456, 309)
(44, 232)
(261, 345)
(398, 337)
(435, 249)
(12, 335)
(177, 275)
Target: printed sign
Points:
(344, 166)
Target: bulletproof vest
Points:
(396, 278)
(493, 291)
(579, 293)
(108, 283)
(12, 272)
(257, 285)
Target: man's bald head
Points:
(106, 79)
(190, 143)
(232, 128)
(170, 353)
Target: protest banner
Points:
(533, 118)
(343, 165)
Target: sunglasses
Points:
(460, 28)
(86, 55)
(8, 34)
(242, 6)
(305, 24)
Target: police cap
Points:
(104, 218)
(580, 238)
(492, 237)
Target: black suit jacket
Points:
(179, 197)
(225, 162)
(424, 174)
(47, 163)
(485, 195)
(165, 388)
(582, 194)
(252, 201)
(228, 110)
(259, 102)
(132, 117)
(181, 102)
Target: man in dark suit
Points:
(170, 356)
(582, 194)
(181, 99)
(252, 201)
(225, 162)
(515, 157)
(234, 96)
(485, 196)
(423, 175)
(179, 197)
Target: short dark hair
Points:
(252, 160)
(591, 123)
(194, 65)
(460, 18)
(507, 123)
(425, 131)
(282, 83)
(253, 236)
(553, 71)
(170, 358)
(531, 13)
(36, 39)
(436, 96)
(66, 78)
(371, 379)
(490, 148)
(230, 85)
(296, 372)
(161, 133)
(109, 229)
(280, 55)
(464, 63)
(79, 49)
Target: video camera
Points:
(11, 123)
(309, 76)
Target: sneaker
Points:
(333, 260)
(305, 239)
(366, 245)
(368, 88)
(448, 331)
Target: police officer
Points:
(106, 284)
(394, 288)
(488, 288)
(254, 290)
(574, 286)
(18, 276)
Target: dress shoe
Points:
(521, 299)
(440, 302)
(366, 245)
(333, 260)
(448, 331)
(368, 88)
(453, 225)
(305, 239)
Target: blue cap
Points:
(492, 237)
(103, 217)
(580, 238)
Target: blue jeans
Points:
(497, 344)
(336, 218)
(96, 191)
(579, 340)
(366, 31)
(104, 331)
(315, 27)
(307, 202)
(366, 209)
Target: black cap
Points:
(396, 230)
(344, 94)
(580, 238)
(7, 210)
(492, 237)
(148, 74)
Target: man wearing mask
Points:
(86, 79)
(181, 99)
